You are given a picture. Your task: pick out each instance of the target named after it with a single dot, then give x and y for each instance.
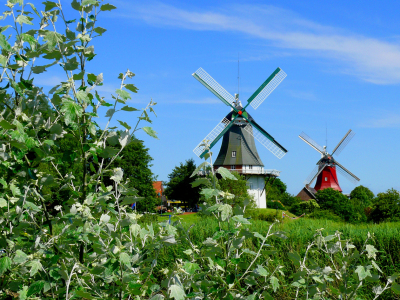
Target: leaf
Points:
(49, 5)
(117, 175)
(240, 219)
(4, 44)
(374, 264)
(124, 138)
(110, 112)
(176, 292)
(371, 251)
(104, 218)
(107, 7)
(191, 268)
(71, 64)
(261, 271)
(3, 202)
(202, 165)
(6, 125)
(125, 259)
(226, 174)
(89, 2)
(20, 257)
(131, 87)
(208, 193)
(123, 94)
(200, 181)
(23, 293)
(150, 132)
(274, 282)
(30, 40)
(71, 111)
(5, 264)
(52, 39)
(75, 5)
(56, 128)
(99, 30)
(362, 272)
(21, 19)
(125, 125)
(84, 294)
(3, 60)
(35, 267)
(395, 288)
(35, 288)
(226, 211)
(128, 108)
(83, 97)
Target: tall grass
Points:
(299, 234)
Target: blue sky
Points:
(342, 61)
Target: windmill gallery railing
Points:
(271, 172)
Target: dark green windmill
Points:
(238, 128)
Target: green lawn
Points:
(190, 218)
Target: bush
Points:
(325, 215)
(386, 207)
(264, 214)
(275, 205)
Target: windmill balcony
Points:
(258, 171)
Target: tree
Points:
(339, 204)
(238, 188)
(386, 207)
(135, 161)
(362, 195)
(274, 188)
(179, 186)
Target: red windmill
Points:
(326, 168)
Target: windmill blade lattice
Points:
(311, 142)
(211, 136)
(267, 88)
(271, 146)
(343, 143)
(346, 173)
(311, 176)
(205, 79)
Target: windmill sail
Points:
(266, 140)
(314, 174)
(267, 88)
(211, 137)
(311, 142)
(346, 173)
(205, 79)
(343, 143)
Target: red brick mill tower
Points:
(325, 171)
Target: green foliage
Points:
(135, 160)
(339, 204)
(274, 188)
(179, 186)
(324, 215)
(238, 188)
(386, 207)
(275, 205)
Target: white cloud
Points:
(390, 120)
(368, 58)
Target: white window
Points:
(233, 153)
(233, 167)
(326, 178)
(250, 167)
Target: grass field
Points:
(299, 234)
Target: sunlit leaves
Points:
(117, 175)
(150, 132)
(21, 19)
(71, 111)
(99, 30)
(176, 292)
(128, 108)
(5, 264)
(52, 38)
(49, 5)
(363, 272)
(131, 87)
(4, 44)
(106, 7)
(123, 94)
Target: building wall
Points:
(255, 187)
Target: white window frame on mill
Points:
(233, 167)
(326, 178)
(233, 153)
